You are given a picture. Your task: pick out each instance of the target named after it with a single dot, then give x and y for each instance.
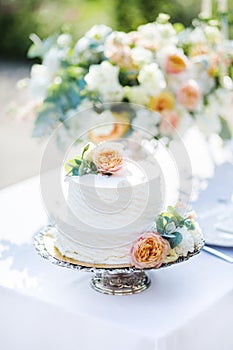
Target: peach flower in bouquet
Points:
(189, 95)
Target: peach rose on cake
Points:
(189, 95)
(108, 157)
(149, 251)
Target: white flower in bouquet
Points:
(162, 34)
(168, 35)
(199, 72)
(195, 36)
(90, 47)
(98, 32)
(213, 35)
(149, 31)
(147, 123)
(137, 95)
(208, 119)
(52, 60)
(118, 51)
(141, 56)
(103, 79)
(82, 47)
(152, 79)
(40, 81)
(64, 40)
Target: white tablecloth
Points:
(188, 306)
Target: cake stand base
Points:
(120, 283)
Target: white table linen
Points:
(188, 306)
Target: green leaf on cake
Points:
(80, 166)
(85, 150)
(78, 160)
(174, 239)
(70, 165)
(75, 172)
(189, 224)
(160, 224)
(93, 167)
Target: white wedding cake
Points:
(107, 213)
(113, 213)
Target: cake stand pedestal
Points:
(120, 283)
(112, 280)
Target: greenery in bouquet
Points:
(182, 76)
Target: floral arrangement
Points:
(105, 159)
(182, 76)
(174, 236)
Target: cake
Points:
(113, 215)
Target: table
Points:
(189, 306)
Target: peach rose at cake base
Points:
(149, 251)
(108, 157)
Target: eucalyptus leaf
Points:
(75, 172)
(78, 161)
(174, 239)
(160, 224)
(189, 224)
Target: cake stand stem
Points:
(120, 283)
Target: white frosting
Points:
(106, 214)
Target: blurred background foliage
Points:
(20, 18)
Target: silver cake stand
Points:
(112, 280)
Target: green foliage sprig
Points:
(81, 165)
(168, 224)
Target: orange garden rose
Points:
(149, 251)
(164, 100)
(176, 63)
(189, 95)
(108, 157)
